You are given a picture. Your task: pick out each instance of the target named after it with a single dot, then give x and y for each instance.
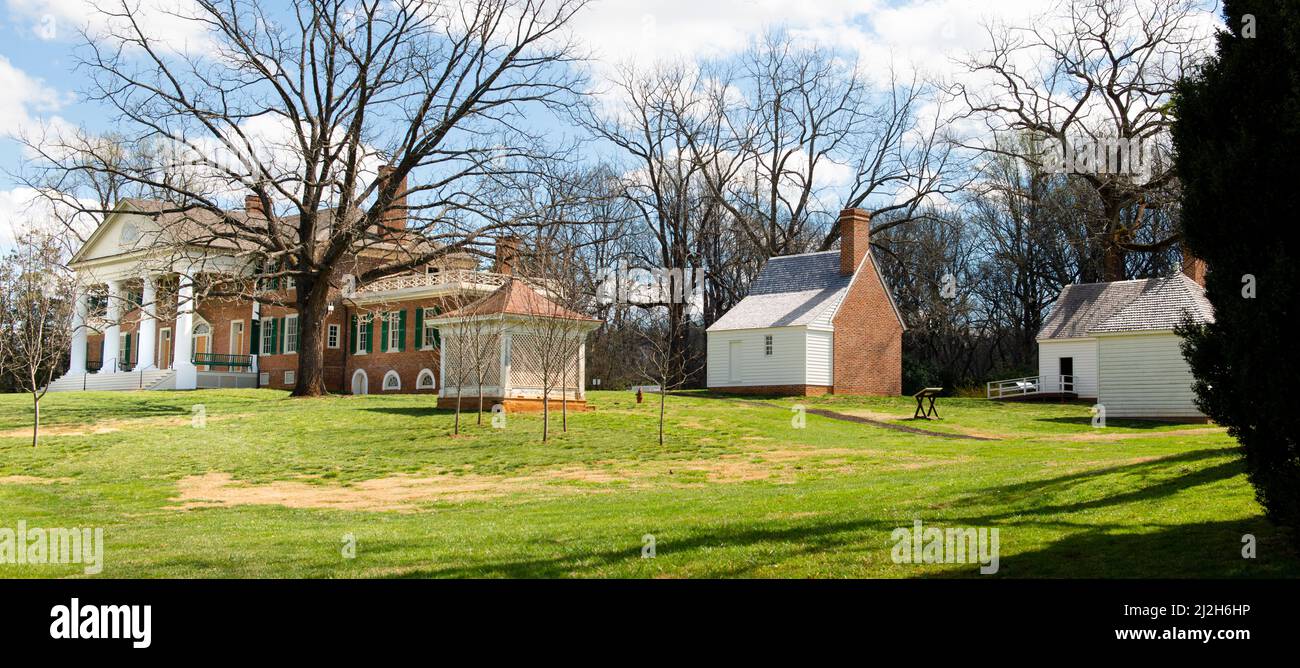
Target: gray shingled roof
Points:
(790, 290)
(1126, 306)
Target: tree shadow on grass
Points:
(416, 411)
(1086, 421)
(1194, 550)
(1035, 489)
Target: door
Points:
(164, 348)
(734, 360)
(1067, 374)
(360, 382)
(237, 337)
(202, 343)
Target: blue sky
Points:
(38, 81)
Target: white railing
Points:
(1029, 385)
(458, 277)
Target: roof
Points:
(790, 290)
(516, 298)
(200, 227)
(1126, 306)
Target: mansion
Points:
(142, 323)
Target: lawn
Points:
(250, 483)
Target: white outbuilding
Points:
(1115, 342)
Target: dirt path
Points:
(858, 419)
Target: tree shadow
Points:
(416, 411)
(1126, 423)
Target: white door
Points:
(237, 337)
(360, 383)
(734, 360)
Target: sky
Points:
(40, 85)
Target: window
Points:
(291, 334)
(288, 378)
(425, 381)
(332, 336)
(429, 338)
(268, 336)
(263, 379)
(363, 334)
(394, 331)
(767, 345)
(124, 350)
(392, 381)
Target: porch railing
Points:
(225, 361)
(1029, 385)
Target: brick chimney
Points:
(507, 254)
(395, 217)
(253, 205)
(855, 239)
(1193, 267)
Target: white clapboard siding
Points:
(1145, 375)
(1084, 352)
(785, 366)
(820, 361)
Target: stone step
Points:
(111, 382)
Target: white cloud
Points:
(168, 23)
(25, 209)
(25, 98)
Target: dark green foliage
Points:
(1238, 141)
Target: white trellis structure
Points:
(522, 341)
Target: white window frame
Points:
(268, 337)
(394, 331)
(767, 345)
(363, 334)
(289, 377)
(291, 335)
(383, 387)
(332, 337)
(419, 380)
(426, 336)
(264, 378)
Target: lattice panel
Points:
(528, 361)
(459, 354)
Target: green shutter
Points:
(279, 335)
(383, 336)
(352, 335)
(437, 333)
(401, 330)
(128, 348)
(256, 343)
(419, 328)
(370, 334)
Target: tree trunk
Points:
(457, 428)
(313, 306)
(546, 411)
(663, 396)
(564, 399)
(36, 417)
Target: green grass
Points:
(735, 491)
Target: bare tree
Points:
(438, 92)
(659, 363)
(1093, 81)
(37, 303)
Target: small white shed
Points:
(1115, 342)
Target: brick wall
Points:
(407, 362)
(868, 346)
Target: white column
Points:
(112, 333)
(148, 330)
(187, 377)
(582, 366)
(248, 333)
(78, 356)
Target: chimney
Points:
(253, 205)
(395, 217)
(1193, 267)
(855, 239)
(506, 255)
